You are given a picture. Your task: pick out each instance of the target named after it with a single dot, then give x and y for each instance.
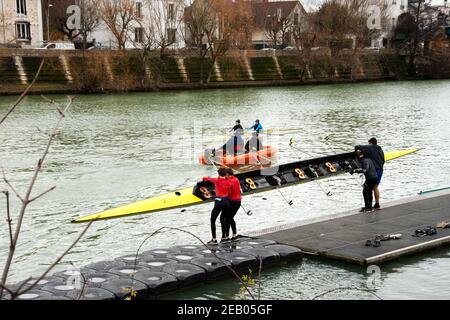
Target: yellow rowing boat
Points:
(194, 195)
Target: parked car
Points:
(59, 46)
(289, 48)
(268, 49)
(373, 49)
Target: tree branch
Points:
(10, 186)
(42, 194)
(24, 94)
(58, 260)
(8, 217)
(26, 199)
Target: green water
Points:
(116, 149)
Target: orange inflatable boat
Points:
(252, 158)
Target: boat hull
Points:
(251, 182)
(252, 158)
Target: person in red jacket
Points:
(235, 204)
(221, 204)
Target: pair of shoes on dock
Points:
(373, 243)
(369, 210)
(376, 242)
(428, 231)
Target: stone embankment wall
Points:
(110, 71)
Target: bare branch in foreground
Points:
(58, 260)
(24, 94)
(10, 186)
(8, 216)
(42, 194)
(26, 199)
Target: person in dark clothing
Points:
(221, 203)
(376, 153)
(370, 172)
(254, 144)
(235, 204)
(234, 145)
(238, 129)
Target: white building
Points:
(269, 16)
(21, 22)
(158, 22)
(394, 9)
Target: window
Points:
(171, 35)
(171, 13)
(139, 35)
(296, 19)
(21, 7)
(394, 2)
(23, 31)
(139, 10)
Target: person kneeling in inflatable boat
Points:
(254, 144)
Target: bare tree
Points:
(161, 28)
(90, 19)
(119, 16)
(418, 7)
(337, 21)
(278, 28)
(230, 24)
(215, 26)
(304, 39)
(198, 17)
(58, 19)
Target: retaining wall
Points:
(105, 71)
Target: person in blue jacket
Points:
(257, 127)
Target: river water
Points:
(117, 149)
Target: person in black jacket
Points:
(238, 129)
(254, 144)
(376, 154)
(370, 172)
(236, 143)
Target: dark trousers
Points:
(221, 208)
(233, 145)
(369, 185)
(232, 211)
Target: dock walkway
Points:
(344, 237)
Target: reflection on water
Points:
(116, 149)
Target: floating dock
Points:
(344, 236)
(157, 272)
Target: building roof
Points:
(262, 9)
